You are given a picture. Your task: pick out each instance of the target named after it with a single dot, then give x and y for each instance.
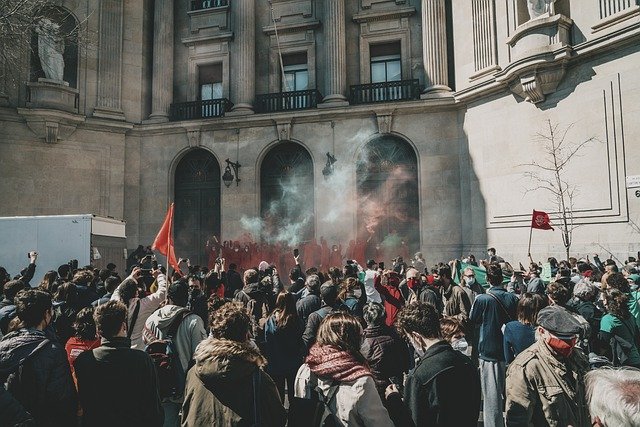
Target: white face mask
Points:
(357, 293)
(460, 344)
(470, 281)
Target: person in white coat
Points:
(336, 366)
(139, 309)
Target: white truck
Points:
(57, 239)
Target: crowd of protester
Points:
(346, 345)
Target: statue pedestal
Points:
(52, 94)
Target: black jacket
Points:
(387, 354)
(307, 305)
(39, 377)
(313, 323)
(233, 283)
(118, 386)
(11, 411)
(443, 390)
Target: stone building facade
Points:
(434, 103)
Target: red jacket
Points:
(74, 347)
(393, 300)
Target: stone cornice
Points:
(220, 37)
(292, 28)
(384, 15)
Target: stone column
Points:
(4, 97)
(110, 61)
(336, 54)
(434, 48)
(162, 85)
(244, 70)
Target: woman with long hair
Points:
(46, 284)
(521, 334)
(619, 329)
(283, 343)
(336, 368)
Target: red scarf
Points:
(338, 365)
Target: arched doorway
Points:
(388, 213)
(197, 205)
(286, 194)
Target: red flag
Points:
(540, 220)
(164, 240)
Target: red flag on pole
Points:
(164, 240)
(540, 220)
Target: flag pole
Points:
(530, 234)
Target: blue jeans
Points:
(171, 414)
(493, 383)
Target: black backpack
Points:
(171, 376)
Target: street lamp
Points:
(328, 167)
(228, 177)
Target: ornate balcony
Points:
(208, 4)
(288, 101)
(200, 109)
(402, 90)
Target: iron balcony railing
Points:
(208, 4)
(287, 101)
(200, 109)
(402, 90)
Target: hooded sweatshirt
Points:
(49, 395)
(190, 332)
(220, 387)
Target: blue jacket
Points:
(283, 347)
(491, 315)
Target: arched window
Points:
(286, 194)
(197, 205)
(68, 30)
(388, 214)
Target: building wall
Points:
(469, 143)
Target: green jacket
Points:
(220, 387)
(544, 391)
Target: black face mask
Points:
(194, 293)
(438, 283)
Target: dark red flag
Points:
(540, 220)
(164, 240)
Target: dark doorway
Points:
(388, 214)
(286, 194)
(197, 205)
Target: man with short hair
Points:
(7, 306)
(117, 385)
(612, 396)
(330, 303)
(186, 330)
(233, 281)
(491, 310)
(545, 383)
(311, 301)
(34, 365)
(443, 390)
(110, 285)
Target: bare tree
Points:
(18, 21)
(549, 175)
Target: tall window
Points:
(210, 83)
(385, 62)
(296, 72)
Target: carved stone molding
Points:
(385, 121)
(194, 137)
(284, 129)
(51, 125)
(47, 93)
(535, 86)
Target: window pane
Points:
(302, 80)
(289, 82)
(206, 91)
(378, 72)
(216, 90)
(393, 71)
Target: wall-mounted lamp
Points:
(228, 176)
(328, 167)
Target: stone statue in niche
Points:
(540, 8)
(50, 49)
